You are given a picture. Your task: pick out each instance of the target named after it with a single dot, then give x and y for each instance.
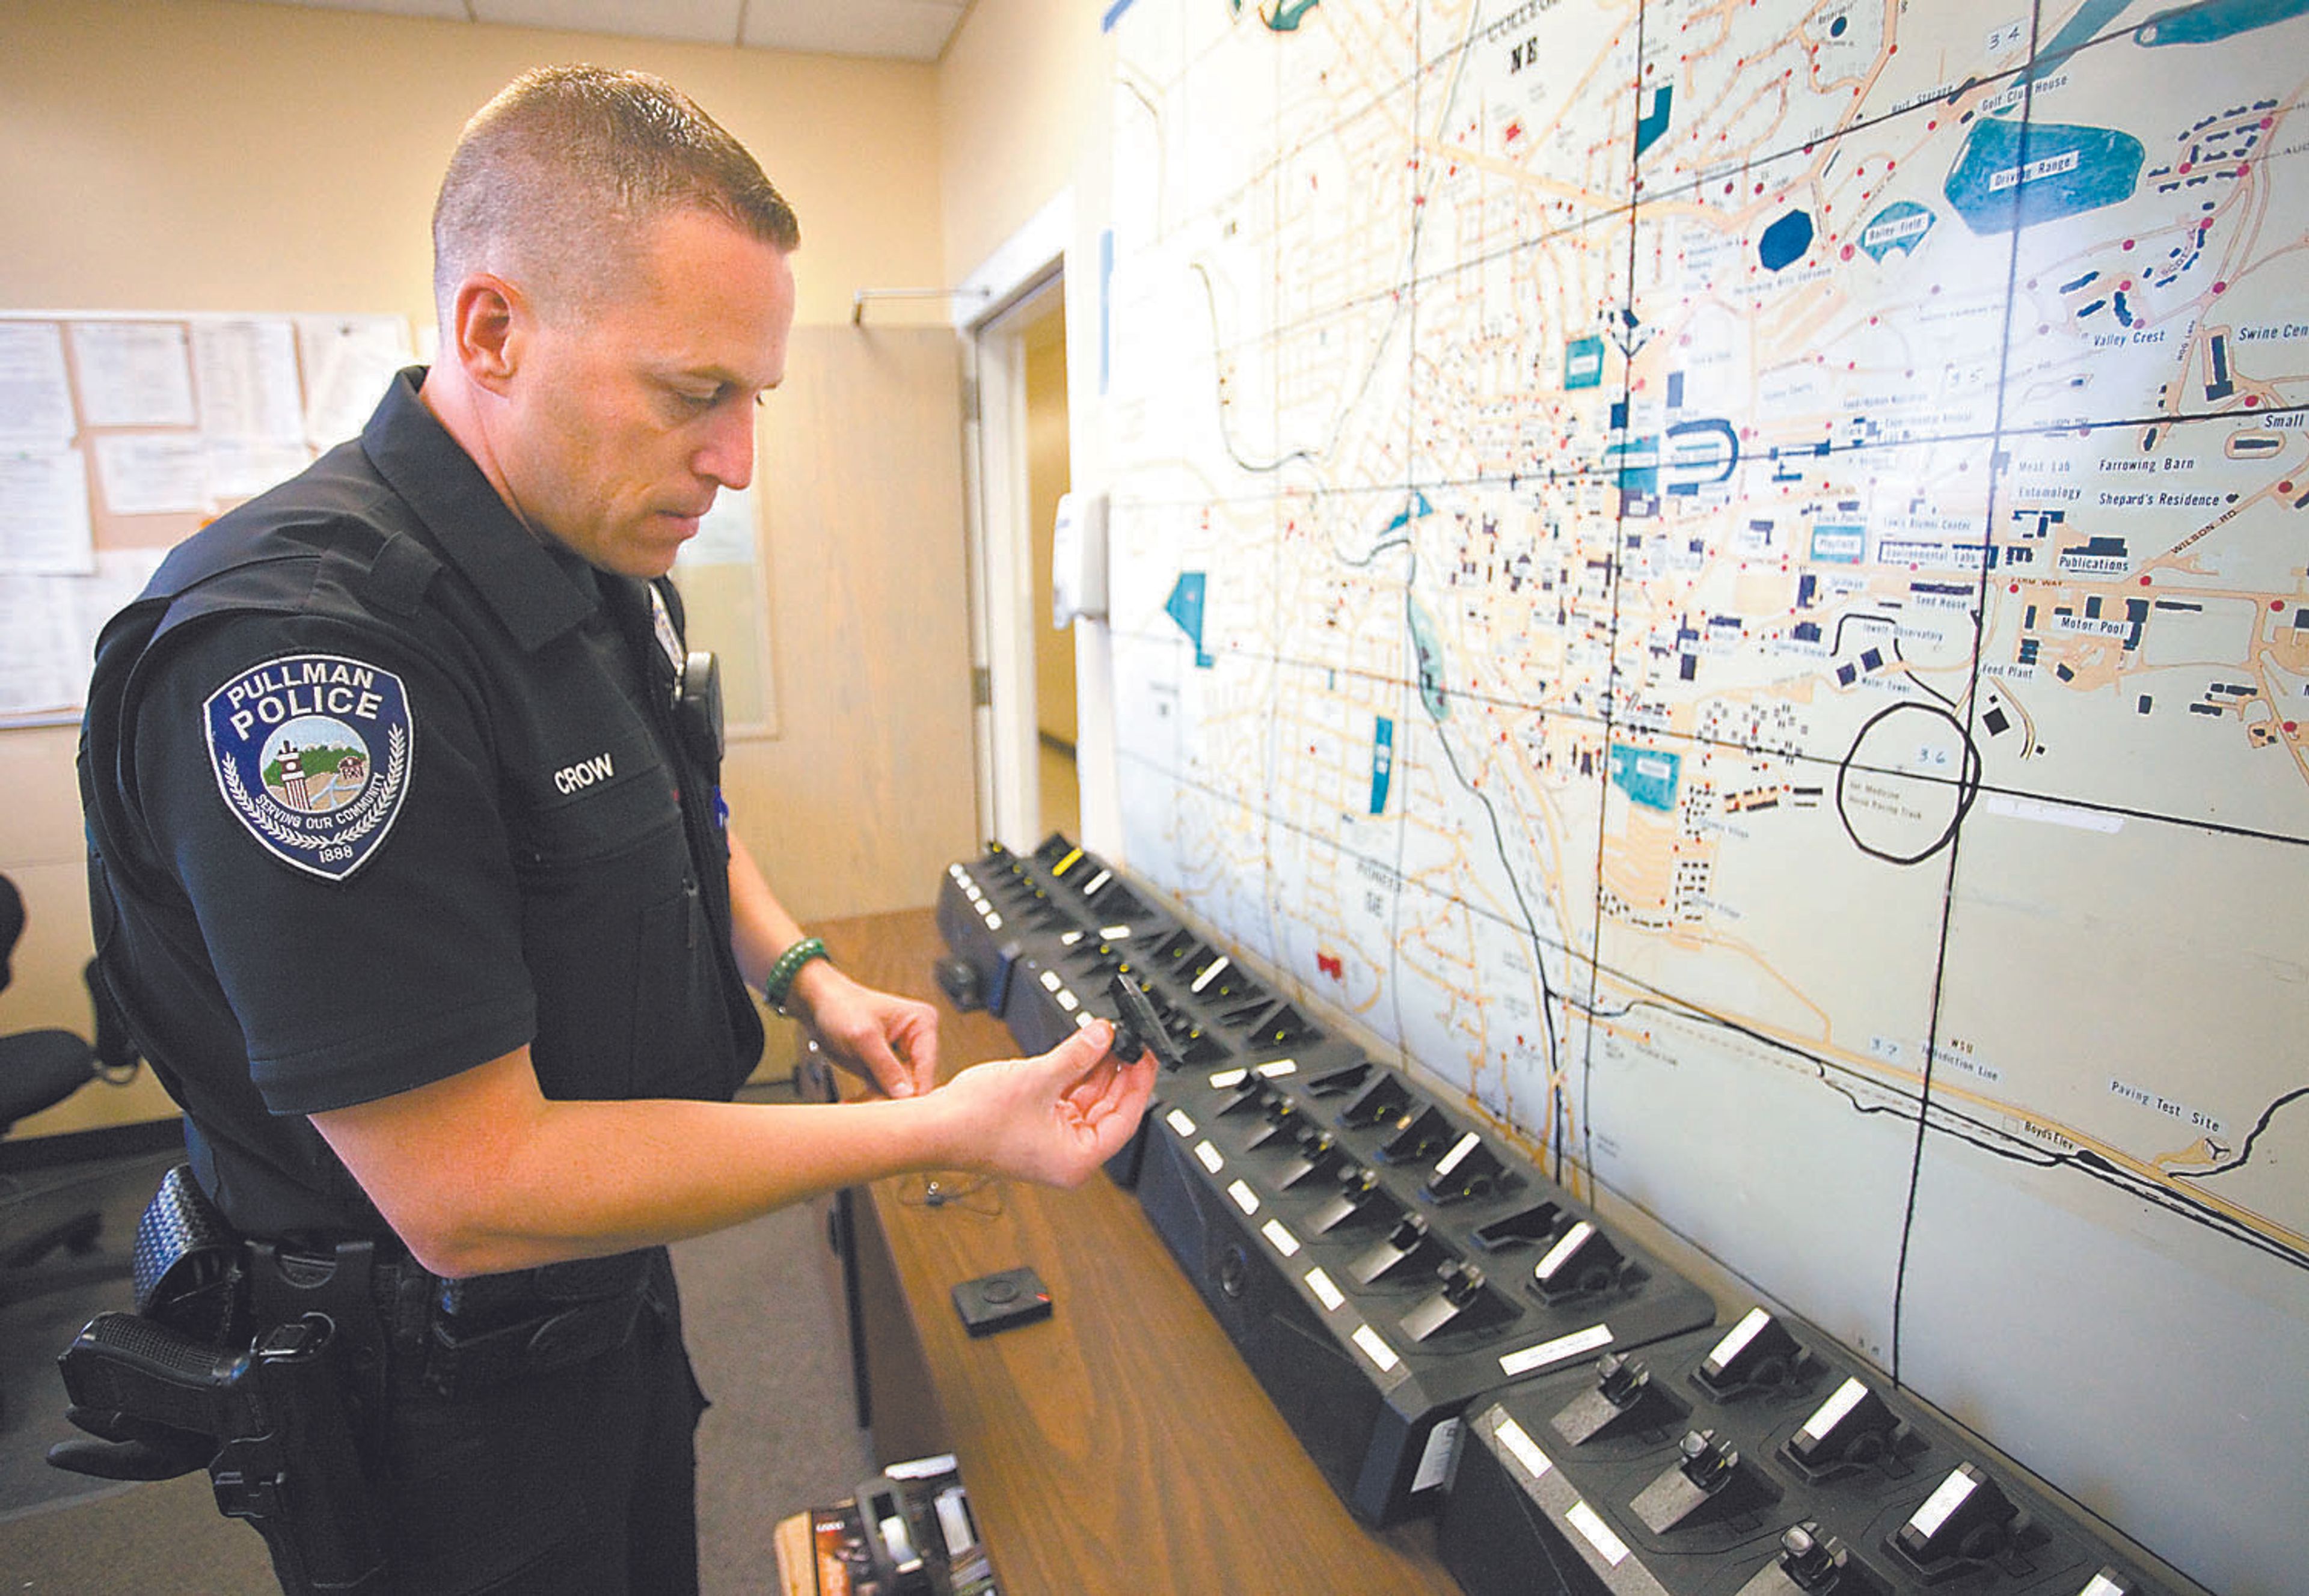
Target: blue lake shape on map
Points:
(2090, 18)
(2217, 20)
(1645, 775)
(1186, 607)
(1283, 18)
(1430, 660)
(1901, 225)
(1784, 243)
(1382, 762)
(1418, 506)
(1652, 121)
(2069, 170)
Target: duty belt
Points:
(457, 1336)
(485, 1330)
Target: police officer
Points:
(418, 888)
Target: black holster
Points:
(283, 1454)
(235, 1363)
(266, 1362)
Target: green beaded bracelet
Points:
(778, 986)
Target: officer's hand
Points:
(887, 1041)
(1056, 1118)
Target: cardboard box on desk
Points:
(907, 1532)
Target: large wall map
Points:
(1729, 575)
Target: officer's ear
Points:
(487, 323)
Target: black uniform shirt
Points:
(380, 787)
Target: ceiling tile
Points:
(453, 9)
(900, 30)
(908, 30)
(696, 22)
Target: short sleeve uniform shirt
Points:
(381, 787)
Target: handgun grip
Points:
(122, 1363)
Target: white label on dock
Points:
(1744, 1332)
(1943, 1502)
(1374, 1349)
(1547, 1266)
(1832, 1411)
(1608, 1545)
(1457, 1155)
(1521, 1448)
(1556, 1351)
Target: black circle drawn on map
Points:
(1883, 778)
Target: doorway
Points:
(1043, 349)
(1016, 416)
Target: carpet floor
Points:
(764, 1311)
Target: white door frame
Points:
(1017, 284)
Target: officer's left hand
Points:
(886, 1040)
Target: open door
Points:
(1018, 453)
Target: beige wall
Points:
(200, 155)
(1019, 83)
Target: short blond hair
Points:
(554, 183)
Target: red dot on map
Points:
(2144, 579)
(2128, 244)
(2220, 288)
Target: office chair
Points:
(37, 1070)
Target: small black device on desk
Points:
(999, 1302)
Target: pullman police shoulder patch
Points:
(312, 753)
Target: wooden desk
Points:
(1121, 1446)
